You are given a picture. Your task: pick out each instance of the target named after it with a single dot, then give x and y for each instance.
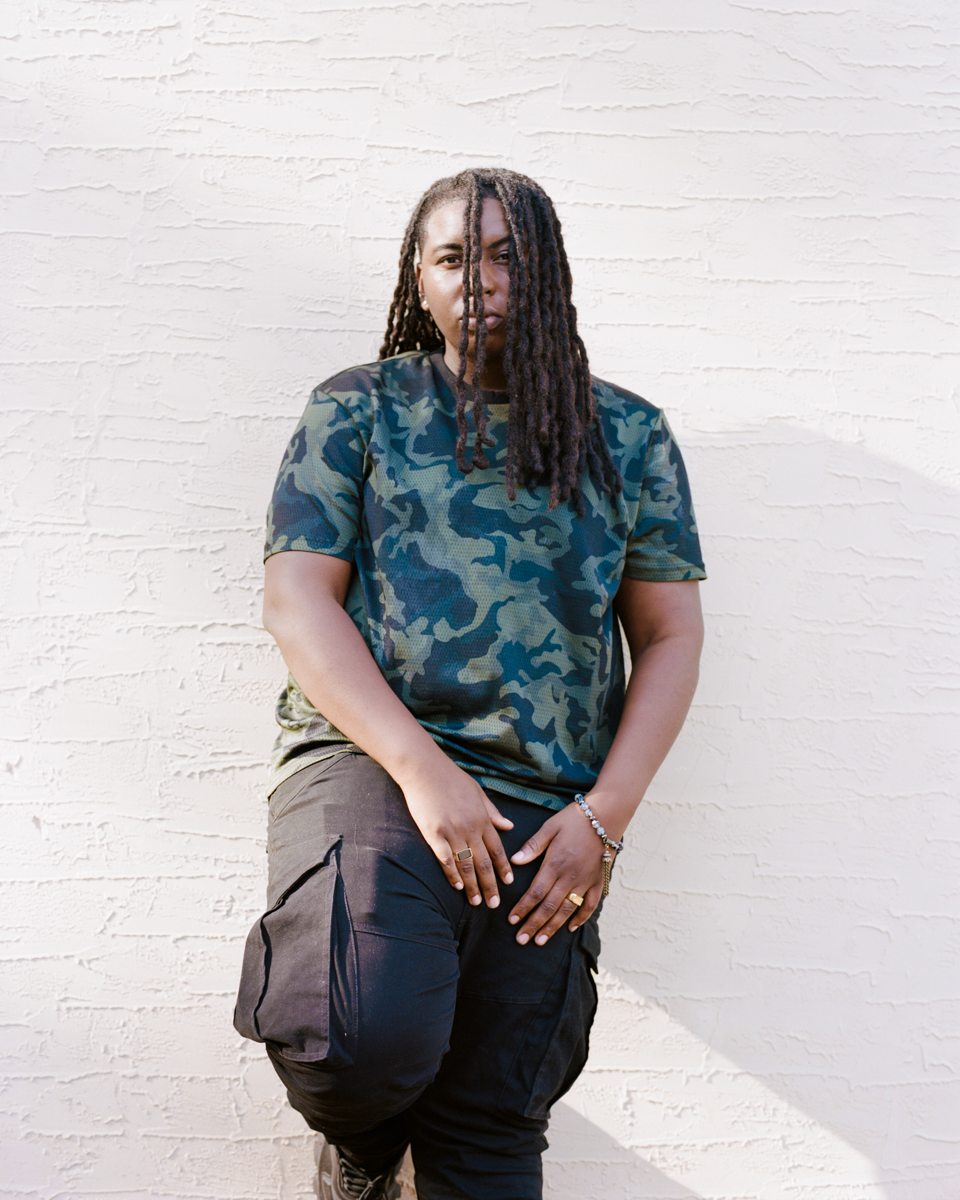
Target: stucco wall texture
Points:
(202, 209)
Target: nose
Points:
(487, 278)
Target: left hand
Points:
(571, 863)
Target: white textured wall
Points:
(202, 208)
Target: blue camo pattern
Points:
(492, 620)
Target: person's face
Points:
(440, 281)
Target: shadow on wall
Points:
(779, 1002)
(586, 1162)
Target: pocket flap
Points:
(297, 954)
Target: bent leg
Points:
(406, 993)
(350, 978)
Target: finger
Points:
(547, 917)
(501, 864)
(448, 863)
(590, 901)
(535, 894)
(486, 876)
(496, 816)
(546, 931)
(469, 876)
(534, 846)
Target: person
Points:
(456, 531)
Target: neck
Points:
(493, 378)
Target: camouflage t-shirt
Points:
(492, 620)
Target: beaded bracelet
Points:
(608, 842)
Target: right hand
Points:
(453, 812)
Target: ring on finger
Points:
(574, 898)
(464, 855)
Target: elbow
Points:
(696, 637)
(273, 613)
(684, 638)
(279, 595)
(275, 619)
(267, 615)
(689, 630)
(693, 640)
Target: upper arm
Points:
(313, 524)
(317, 499)
(294, 580)
(651, 611)
(663, 544)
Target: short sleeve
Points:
(317, 498)
(663, 544)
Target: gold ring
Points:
(463, 855)
(574, 898)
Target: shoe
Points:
(339, 1179)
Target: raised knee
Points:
(370, 1090)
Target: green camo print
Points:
(491, 620)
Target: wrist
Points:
(415, 765)
(610, 811)
(612, 845)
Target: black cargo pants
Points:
(395, 1012)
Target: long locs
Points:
(473, 305)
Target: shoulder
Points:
(352, 400)
(390, 376)
(640, 438)
(629, 421)
(619, 405)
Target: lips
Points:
(491, 320)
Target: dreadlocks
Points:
(553, 431)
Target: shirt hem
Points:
(519, 792)
(666, 574)
(346, 554)
(282, 774)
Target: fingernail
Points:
(541, 939)
(518, 857)
(476, 899)
(523, 938)
(493, 902)
(459, 885)
(509, 878)
(512, 919)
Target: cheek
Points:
(444, 301)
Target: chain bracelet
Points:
(609, 843)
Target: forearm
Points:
(664, 629)
(303, 607)
(337, 673)
(661, 687)
(659, 694)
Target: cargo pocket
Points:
(555, 1047)
(298, 986)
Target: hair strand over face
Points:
(553, 434)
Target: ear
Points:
(423, 299)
